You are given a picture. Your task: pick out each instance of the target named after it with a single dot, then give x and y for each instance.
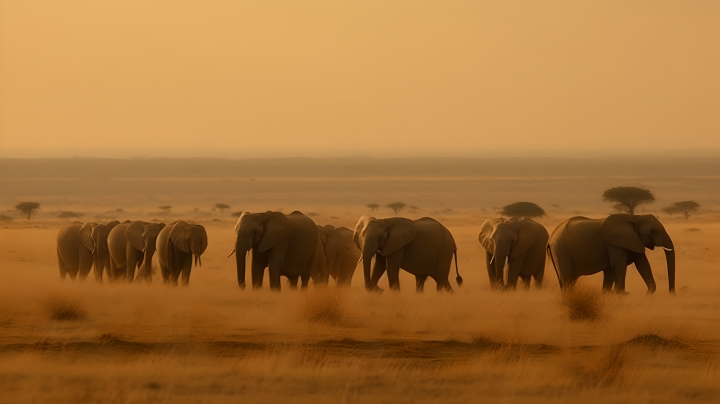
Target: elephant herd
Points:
(295, 247)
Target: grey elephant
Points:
(131, 245)
(177, 244)
(82, 246)
(582, 246)
(341, 253)
(286, 244)
(521, 243)
(423, 247)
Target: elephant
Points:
(131, 244)
(423, 247)
(582, 246)
(522, 243)
(177, 244)
(286, 244)
(341, 253)
(82, 246)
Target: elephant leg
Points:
(304, 280)
(608, 280)
(186, 268)
(275, 263)
(61, 265)
(538, 276)
(526, 281)
(514, 265)
(131, 263)
(491, 270)
(564, 269)
(420, 283)
(257, 268)
(393, 269)
(619, 262)
(643, 266)
(86, 262)
(292, 281)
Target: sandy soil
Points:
(119, 343)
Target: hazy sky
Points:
(383, 78)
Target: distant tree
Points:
(397, 207)
(6, 218)
(522, 209)
(165, 209)
(223, 207)
(196, 210)
(413, 208)
(372, 206)
(628, 198)
(119, 210)
(27, 208)
(65, 215)
(684, 207)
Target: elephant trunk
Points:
(198, 260)
(241, 248)
(670, 258)
(501, 256)
(100, 260)
(147, 262)
(369, 250)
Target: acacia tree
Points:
(165, 209)
(27, 208)
(684, 207)
(413, 208)
(372, 206)
(522, 209)
(223, 207)
(628, 198)
(397, 207)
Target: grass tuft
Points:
(324, 305)
(65, 309)
(583, 303)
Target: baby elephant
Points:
(522, 243)
(177, 244)
(341, 253)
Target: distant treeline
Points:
(355, 167)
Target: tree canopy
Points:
(166, 208)
(522, 209)
(372, 206)
(27, 208)
(65, 215)
(684, 207)
(628, 198)
(397, 207)
(223, 207)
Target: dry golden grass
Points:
(68, 342)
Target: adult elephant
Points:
(177, 244)
(522, 243)
(582, 246)
(341, 253)
(82, 246)
(286, 244)
(131, 245)
(423, 247)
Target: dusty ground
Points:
(211, 342)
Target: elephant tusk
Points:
(492, 259)
(666, 249)
(231, 253)
(358, 261)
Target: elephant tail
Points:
(552, 259)
(458, 279)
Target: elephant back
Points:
(430, 226)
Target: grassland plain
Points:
(211, 342)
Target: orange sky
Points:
(380, 78)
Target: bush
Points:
(6, 218)
(628, 198)
(522, 209)
(65, 309)
(583, 303)
(684, 207)
(66, 215)
(397, 207)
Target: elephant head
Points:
(190, 238)
(381, 235)
(94, 236)
(638, 232)
(504, 239)
(143, 237)
(258, 230)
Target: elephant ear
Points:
(619, 230)
(179, 236)
(112, 224)
(527, 237)
(485, 236)
(133, 235)
(359, 228)
(85, 234)
(401, 232)
(323, 233)
(275, 231)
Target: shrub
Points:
(522, 209)
(628, 198)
